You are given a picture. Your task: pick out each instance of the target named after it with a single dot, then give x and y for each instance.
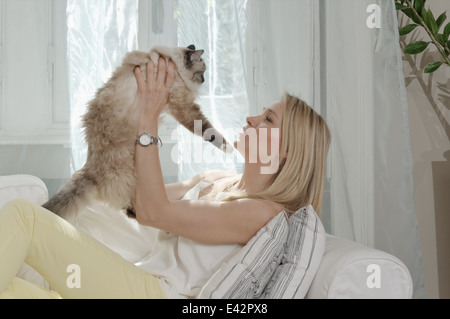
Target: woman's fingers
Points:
(150, 75)
(154, 91)
(162, 72)
(165, 76)
(139, 78)
(170, 79)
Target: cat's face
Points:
(194, 64)
(190, 65)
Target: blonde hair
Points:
(300, 176)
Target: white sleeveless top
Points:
(183, 266)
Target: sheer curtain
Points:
(99, 33)
(218, 27)
(370, 172)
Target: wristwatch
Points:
(146, 139)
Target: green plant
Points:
(424, 18)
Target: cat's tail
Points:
(72, 196)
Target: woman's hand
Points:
(153, 93)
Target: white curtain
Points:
(395, 221)
(218, 27)
(98, 36)
(370, 173)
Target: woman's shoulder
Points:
(272, 207)
(258, 209)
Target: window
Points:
(34, 105)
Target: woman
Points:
(205, 231)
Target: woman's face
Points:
(260, 141)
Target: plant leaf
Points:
(418, 5)
(429, 20)
(434, 27)
(440, 21)
(447, 30)
(431, 67)
(416, 47)
(411, 15)
(425, 18)
(441, 39)
(407, 29)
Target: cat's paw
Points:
(227, 148)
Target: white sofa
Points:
(347, 269)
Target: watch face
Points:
(145, 139)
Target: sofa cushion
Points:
(279, 262)
(26, 187)
(301, 258)
(245, 275)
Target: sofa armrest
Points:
(26, 187)
(352, 270)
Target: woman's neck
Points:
(252, 181)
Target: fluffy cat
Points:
(110, 126)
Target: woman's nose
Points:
(251, 121)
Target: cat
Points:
(110, 128)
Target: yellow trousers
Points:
(73, 263)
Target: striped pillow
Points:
(302, 256)
(245, 275)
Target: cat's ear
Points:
(191, 47)
(195, 56)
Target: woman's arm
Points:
(153, 95)
(212, 222)
(204, 221)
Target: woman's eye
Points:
(268, 119)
